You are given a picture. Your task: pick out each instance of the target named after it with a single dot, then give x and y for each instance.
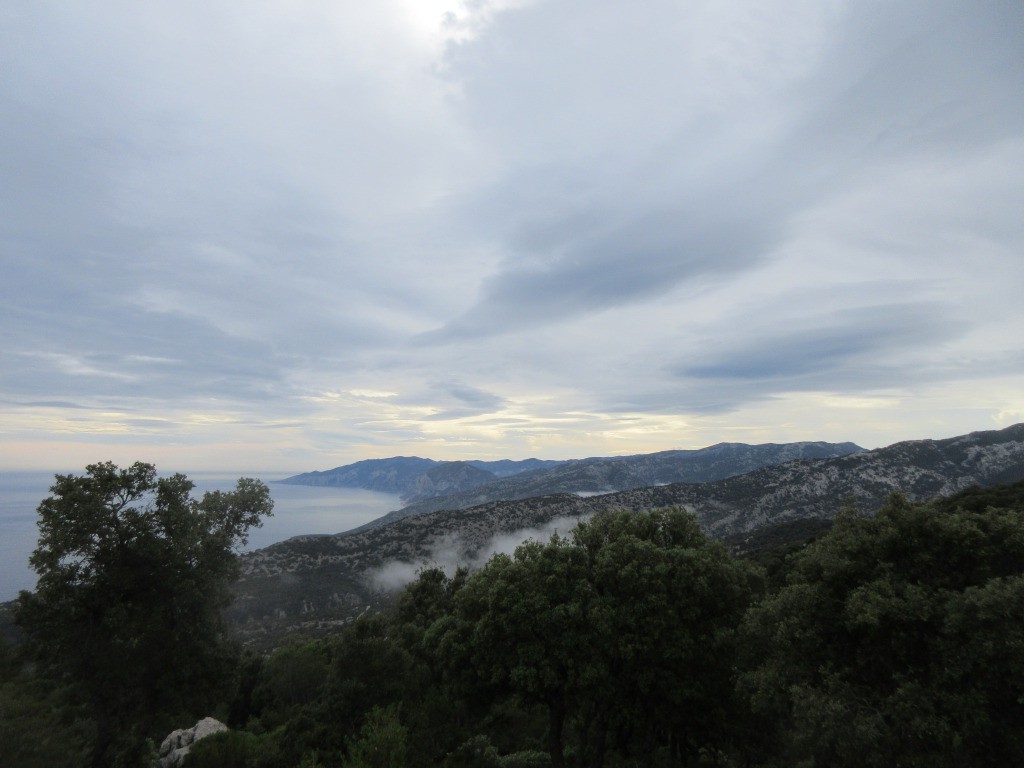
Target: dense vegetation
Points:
(134, 576)
(896, 639)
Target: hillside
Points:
(595, 476)
(459, 485)
(308, 580)
(415, 478)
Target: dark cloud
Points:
(609, 265)
(829, 343)
(459, 400)
(52, 404)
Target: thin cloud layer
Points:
(305, 234)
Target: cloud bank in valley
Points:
(452, 553)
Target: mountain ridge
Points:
(403, 474)
(310, 580)
(600, 475)
(427, 485)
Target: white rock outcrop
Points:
(177, 744)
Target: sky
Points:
(286, 236)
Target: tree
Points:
(898, 641)
(133, 576)
(664, 604)
(623, 632)
(381, 742)
(517, 628)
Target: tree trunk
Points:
(556, 721)
(105, 733)
(601, 739)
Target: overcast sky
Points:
(292, 235)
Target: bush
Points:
(528, 759)
(229, 749)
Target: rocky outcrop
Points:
(178, 743)
(447, 478)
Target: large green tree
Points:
(623, 632)
(133, 576)
(899, 640)
(664, 603)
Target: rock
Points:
(177, 744)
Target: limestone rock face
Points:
(177, 744)
(446, 478)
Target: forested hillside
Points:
(635, 640)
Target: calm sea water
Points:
(298, 509)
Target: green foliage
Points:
(381, 742)
(664, 604)
(899, 639)
(239, 749)
(133, 577)
(429, 597)
(294, 676)
(770, 547)
(478, 752)
(227, 749)
(370, 669)
(978, 499)
(525, 759)
(40, 725)
(624, 632)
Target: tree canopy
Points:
(133, 576)
(622, 631)
(898, 640)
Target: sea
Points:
(298, 510)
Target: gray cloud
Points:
(449, 554)
(598, 268)
(833, 342)
(50, 404)
(629, 219)
(461, 400)
(659, 212)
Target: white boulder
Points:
(177, 744)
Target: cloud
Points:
(597, 269)
(451, 553)
(51, 404)
(756, 134)
(468, 400)
(658, 215)
(838, 341)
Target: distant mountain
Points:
(414, 478)
(448, 477)
(606, 475)
(316, 580)
(395, 475)
(507, 467)
(432, 485)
